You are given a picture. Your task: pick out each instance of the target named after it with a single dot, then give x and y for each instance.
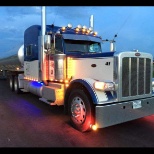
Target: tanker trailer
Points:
(13, 62)
(12, 65)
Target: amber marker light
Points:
(83, 30)
(70, 66)
(66, 85)
(93, 127)
(77, 30)
(88, 31)
(63, 29)
(66, 81)
(95, 33)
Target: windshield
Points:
(82, 46)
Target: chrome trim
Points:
(122, 112)
(118, 58)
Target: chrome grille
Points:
(136, 76)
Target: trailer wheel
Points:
(81, 110)
(11, 82)
(16, 85)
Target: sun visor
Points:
(81, 37)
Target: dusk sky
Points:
(134, 25)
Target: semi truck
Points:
(67, 66)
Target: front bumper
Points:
(117, 113)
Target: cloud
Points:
(62, 15)
(134, 25)
(22, 10)
(64, 11)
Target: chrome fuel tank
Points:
(57, 67)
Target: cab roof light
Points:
(77, 29)
(84, 27)
(95, 33)
(69, 26)
(79, 26)
(90, 29)
(83, 30)
(63, 29)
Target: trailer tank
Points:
(14, 62)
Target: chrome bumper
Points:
(117, 113)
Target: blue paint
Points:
(36, 84)
(109, 95)
(31, 39)
(90, 55)
(89, 88)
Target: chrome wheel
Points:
(78, 110)
(81, 110)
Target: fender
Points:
(98, 97)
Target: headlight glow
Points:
(104, 86)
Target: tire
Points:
(81, 110)
(16, 85)
(11, 82)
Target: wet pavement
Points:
(27, 122)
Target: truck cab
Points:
(67, 66)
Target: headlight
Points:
(104, 86)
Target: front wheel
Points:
(81, 110)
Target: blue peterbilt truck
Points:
(67, 66)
